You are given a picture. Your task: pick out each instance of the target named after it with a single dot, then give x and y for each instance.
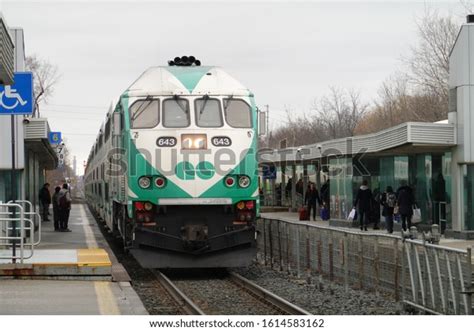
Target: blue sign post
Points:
(55, 138)
(17, 99)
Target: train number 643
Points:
(221, 141)
(166, 141)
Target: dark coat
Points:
(363, 199)
(386, 210)
(55, 201)
(405, 200)
(311, 197)
(325, 193)
(44, 196)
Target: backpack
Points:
(391, 200)
(63, 203)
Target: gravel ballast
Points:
(321, 296)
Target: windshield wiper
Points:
(206, 98)
(140, 110)
(226, 102)
(176, 99)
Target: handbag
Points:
(396, 210)
(352, 215)
(416, 215)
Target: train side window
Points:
(107, 130)
(208, 113)
(237, 113)
(145, 114)
(176, 113)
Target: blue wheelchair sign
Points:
(17, 99)
(55, 138)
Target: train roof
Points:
(190, 80)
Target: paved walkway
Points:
(73, 297)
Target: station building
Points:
(33, 152)
(435, 159)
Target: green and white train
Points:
(174, 168)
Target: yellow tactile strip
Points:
(96, 257)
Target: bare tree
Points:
(428, 61)
(45, 78)
(340, 112)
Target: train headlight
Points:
(148, 206)
(240, 205)
(193, 141)
(244, 181)
(144, 182)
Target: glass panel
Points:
(208, 113)
(176, 113)
(237, 113)
(144, 114)
(340, 188)
(468, 197)
(448, 189)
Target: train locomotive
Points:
(173, 171)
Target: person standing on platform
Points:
(388, 202)
(364, 203)
(45, 201)
(405, 201)
(56, 215)
(64, 202)
(311, 198)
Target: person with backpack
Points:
(363, 200)
(405, 202)
(56, 215)
(64, 203)
(388, 202)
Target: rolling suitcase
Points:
(303, 212)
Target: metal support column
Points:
(293, 187)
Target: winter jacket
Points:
(44, 196)
(386, 210)
(64, 192)
(364, 199)
(405, 200)
(311, 197)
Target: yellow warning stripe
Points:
(93, 257)
(106, 299)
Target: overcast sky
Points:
(287, 53)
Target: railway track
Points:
(223, 293)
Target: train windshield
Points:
(237, 113)
(176, 113)
(208, 113)
(145, 114)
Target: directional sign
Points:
(17, 99)
(60, 153)
(55, 138)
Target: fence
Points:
(433, 278)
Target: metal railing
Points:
(433, 278)
(17, 230)
(32, 216)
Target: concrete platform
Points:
(72, 273)
(91, 263)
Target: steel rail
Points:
(183, 301)
(267, 296)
